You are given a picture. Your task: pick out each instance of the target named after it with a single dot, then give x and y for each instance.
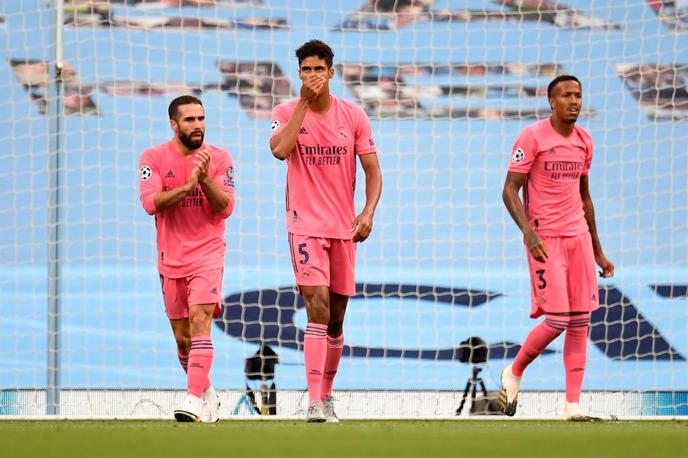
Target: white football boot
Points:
(508, 392)
(190, 411)
(573, 412)
(211, 402)
(314, 414)
(328, 410)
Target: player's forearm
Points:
(283, 143)
(515, 207)
(166, 199)
(373, 189)
(589, 212)
(216, 196)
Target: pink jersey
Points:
(321, 170)
(554, 165)
(191, 236)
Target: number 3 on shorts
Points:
(540, 273)
(304, 253)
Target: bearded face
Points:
(189, 125)
(193, 140)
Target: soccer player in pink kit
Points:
(551, 160)
(189, 187)
(320, 135)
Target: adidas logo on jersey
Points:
(303, 131)
(213, 291)
(169, 174)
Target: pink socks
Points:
(546, 332)
(200, 361)
(536, 342)
(335, 345)
(575, 349)
(315, 351)
(183, 360)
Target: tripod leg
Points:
(474, 386)
(482, 387)
(463, 398)
(272, 399)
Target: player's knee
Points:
(318, 312)
(335, 327)
(318, 307)
(199, 320)
(183, 344)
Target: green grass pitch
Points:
(369, 438)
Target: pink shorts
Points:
(320, 261)
(201, 288)
(567, 280)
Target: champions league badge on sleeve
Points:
(275, 124)
(518, 156)
(230, 177)
(145, 172)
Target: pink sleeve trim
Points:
(366, 151)
(149, 204)
(228, 209)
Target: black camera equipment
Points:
(261, 366)
(473, 351)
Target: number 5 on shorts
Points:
(540, 273)
(303, 253)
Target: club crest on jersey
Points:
(145, 172)
(275, 124)
(341, 131)
(518, 156)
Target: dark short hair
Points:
(315, 48)
(173, 109)
(558, 80)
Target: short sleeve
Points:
(279, 120)
(364, 142)
(523, 153)
(588, 155)
(150, 182)
(224, 177)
